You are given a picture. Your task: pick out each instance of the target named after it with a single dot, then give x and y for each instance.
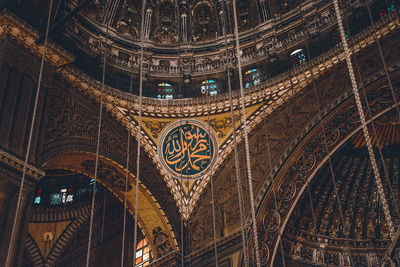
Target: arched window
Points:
(204, 21)
(297, 57)
(386, 8)
(165, 91)
(68, 188)
(209, 87)
(337, 39)
(142, 254)
(251, 77)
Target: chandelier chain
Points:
(378, 180)
(235, 146)
(139, 135)
(246, 138)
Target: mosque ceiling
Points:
(157, 115)
(307, 159)
(317, 224)
(191, 196)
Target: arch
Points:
(307, 159)
(204, 21)
(112, 176)
(165, 22)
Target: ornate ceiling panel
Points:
(260, 102)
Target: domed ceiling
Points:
(319, 224)
(189, 44)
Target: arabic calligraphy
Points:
(187, 150)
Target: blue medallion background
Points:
(186, 149)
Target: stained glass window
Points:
(165, 91)
(251, 77)
(64, 192)
(209, 87)
(337, 39)
(386, 10)
(297, 57)
(142, 254)
(38, 196)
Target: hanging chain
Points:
(374, 130)
(363, 123)
(208, 89)
(105, 51)
(384, 61)
(139, 134)
(235, 148)
(13, 237)
(246, 138)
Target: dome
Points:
(190, 173)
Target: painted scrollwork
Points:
(161, 242)
(287, 190)
(329, 137)
(272, 220)
(221, 126)
(306, 162)
(109, 173)
(155, 127)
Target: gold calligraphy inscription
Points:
(187, 150)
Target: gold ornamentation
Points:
(222, 126)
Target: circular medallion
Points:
(287, 190)
(272, 220)
(187, 150)
(264, 254)
(306, 162)
(329, 137)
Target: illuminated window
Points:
(386, 10)
(165, 91)
(251, 77)
(297, 57)
(64, 195)
(208, 87)
(38, 196)
(55, 199)
(338, 40)
(143, 254)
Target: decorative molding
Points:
(18, 165)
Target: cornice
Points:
(318, 17)
(18, 164)
(13, 27)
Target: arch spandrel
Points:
(287, 127)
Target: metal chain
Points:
(212, 181)
(127, 166)
(211, 168)
(139, 135)
(105, 51)
(369, 113)
(246, 138)
(13, 238)
(235, 148)
(363, 122)
(384, 61)
(180, 127)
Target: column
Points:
(184, 27)
(147, 23)
(264, 10)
